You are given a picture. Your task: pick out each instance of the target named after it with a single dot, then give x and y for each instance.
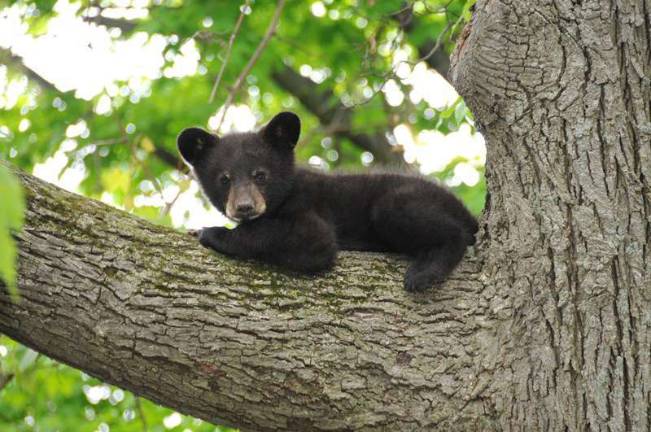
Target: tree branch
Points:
(227, 55)
(169, 158)
(123, 24)
(429, 50)
(8, 57)
(145, 308)
(5, 379)
(271, 30)
(334, 115)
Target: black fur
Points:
(308, 216)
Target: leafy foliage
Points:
(120, 134)
(48, 396)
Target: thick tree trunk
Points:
(562, 91)
(545, 327)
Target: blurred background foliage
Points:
(93, 94)
(41, 394)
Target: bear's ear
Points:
(283, 130)
(193, 143)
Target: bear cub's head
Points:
(245, 175)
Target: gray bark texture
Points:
(545, 326)
(562, 92)
(146, 308)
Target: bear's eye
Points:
(259, 176)
(224, 179)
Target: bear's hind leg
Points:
(433, 266)
(409, 223)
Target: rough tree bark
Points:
(562, 91)
(145, 308)
(546, 326)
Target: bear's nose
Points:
(244, 209)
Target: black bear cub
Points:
(298, 219)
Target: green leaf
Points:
(448, 112)
(8, 261)
(12, 203)
(27, 360)
(12, 207)
(460, 112)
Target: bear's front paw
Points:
(210, 237)
(204, 238)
